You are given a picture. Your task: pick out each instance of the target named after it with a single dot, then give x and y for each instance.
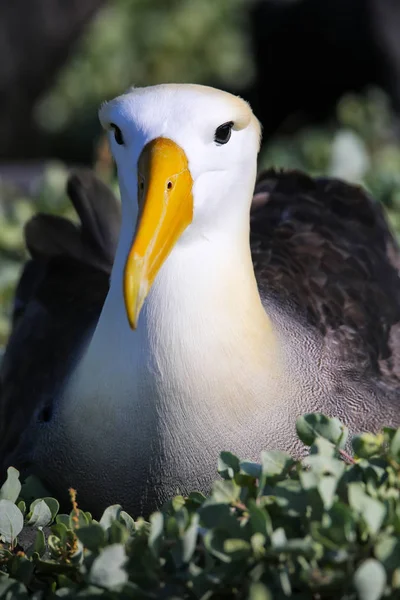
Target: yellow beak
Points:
(165, 210)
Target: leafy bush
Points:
(324, 527)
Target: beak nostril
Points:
(169, 185)
(140, 186)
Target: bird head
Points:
(186, 157)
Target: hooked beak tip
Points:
(135, 297)
(133, 322)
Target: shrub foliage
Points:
(324, 527)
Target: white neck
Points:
(205, 353)
(204, 300)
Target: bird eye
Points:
(119, 138)
(223, 133)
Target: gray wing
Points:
(57, 303)
(324, 254)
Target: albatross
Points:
(229, 311)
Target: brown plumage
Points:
(325, 262)
(324, 256)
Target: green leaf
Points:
(285, 582)
(290, 497)
(182, 519)
(55, 545)
(108, 569)
(258, 591)
(278, 538)
(177, 502)
(111, 514)
(310, 426)
(11, 488)
(156, 532)
(189, 539)
(298, 546)
(63, 519)
(214, 514)
(260, 521)
(214, 542)
(327, 491)
(275, 462)
(395, 446)
(323, 465)
(78, 519)
(22, 506)
(60, 530)
(128, 522)
(225, 491)
(40, 514)
(252, 469)
(117, 533)
(388, 433)
(22, 569)
(53, 505)
(12, 590)
(196, 499)
(369, 580)
(32, 489)
(323, 447)
(387, 550)
(338, 527)
(258, 542)
(372, 511)
(228, 465)
(39, 545)
(52, 568)
(396, 579)
(92, 536)
(11, 521)
(237, 548)
(366, 445)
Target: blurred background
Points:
(323, 76)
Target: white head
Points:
(186, 156)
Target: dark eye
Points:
(119, 138)
(223, 133)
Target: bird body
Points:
(229, 341)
